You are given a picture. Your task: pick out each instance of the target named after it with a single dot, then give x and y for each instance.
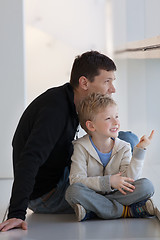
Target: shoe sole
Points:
(79, 212)
(156, 211)
(157, 214)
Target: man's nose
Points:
(112, 89)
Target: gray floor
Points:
(58, 227)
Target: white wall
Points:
(138, 80)
(11, 78)
(116, 35)
(56, 32)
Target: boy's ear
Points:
(90, 126)
(83, 83)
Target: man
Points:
(42, 143)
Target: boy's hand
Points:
(13, 223)
(122, 183)
(145, 141)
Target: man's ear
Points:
(83, 83)
(90, 126)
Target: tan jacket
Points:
(87, 168)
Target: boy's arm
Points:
(145, 141)
(134, 167)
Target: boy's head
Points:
(98, 112)
(90, 65)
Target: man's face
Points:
(103, 83)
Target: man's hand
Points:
(145, 141)
(122, 183)
(13, 223)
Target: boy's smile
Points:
(106, 123)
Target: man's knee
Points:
(129, 137)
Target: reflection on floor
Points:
(66, 227)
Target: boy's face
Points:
(106, 122)
(103, 83)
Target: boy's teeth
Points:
(113, 129)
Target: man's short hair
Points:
(89, 65)
(91, 105)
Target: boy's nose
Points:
(116, 121)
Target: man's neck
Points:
(78, 96)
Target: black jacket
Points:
(42, 146)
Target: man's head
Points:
(98, 112)
(93, 72)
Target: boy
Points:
(104, 177)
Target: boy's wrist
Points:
(139, 146)
(139, 153)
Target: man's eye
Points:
(117, 116)
(108, 118)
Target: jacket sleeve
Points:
(78, 172)
(41, 141)
(132, 165)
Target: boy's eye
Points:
(108, 118)
(117, 116)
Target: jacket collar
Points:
(86, 143)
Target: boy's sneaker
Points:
(81, 213)
(152, 209)
(144, 209)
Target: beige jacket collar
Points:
(86, 143)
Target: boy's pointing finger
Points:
(151, 135)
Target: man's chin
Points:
(109, 94)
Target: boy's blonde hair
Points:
(91, 105)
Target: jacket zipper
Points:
(103, 170)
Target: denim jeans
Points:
(129, 137)
(109, 206)
(56, 202)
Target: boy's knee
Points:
(73, 191)
(145, 186)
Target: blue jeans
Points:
(129, 137)
(109, 206)
(56, 203)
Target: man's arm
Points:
(36, 151)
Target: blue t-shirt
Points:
(104, 157)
